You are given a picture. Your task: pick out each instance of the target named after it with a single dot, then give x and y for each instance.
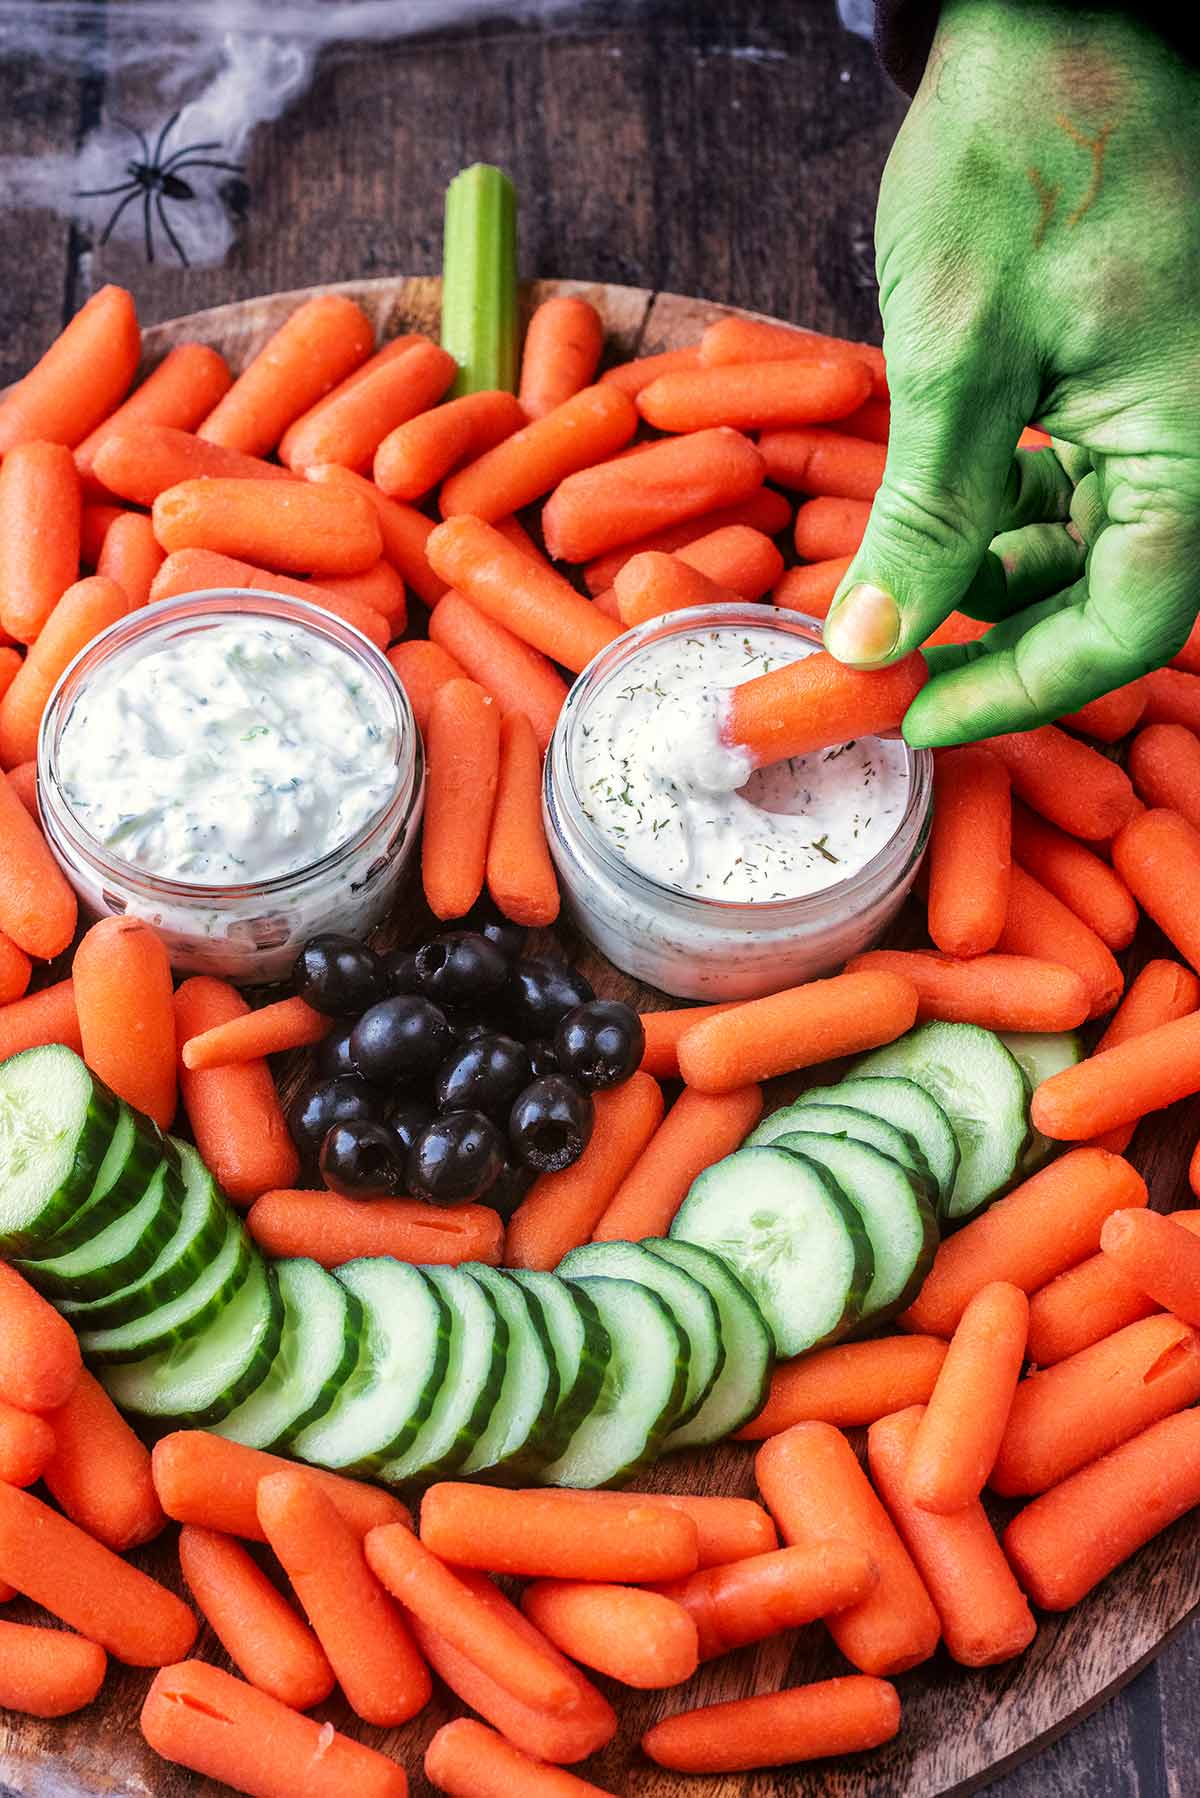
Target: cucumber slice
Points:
(895, 1211)
(522, 1417)
(125, 1248)
(790, 1235)
(579, 1347)
(644, 1385)
(470, 1389)
(980, 1087)
(910, 1108)
(322, 1328)
(397, 1374)
(183, 1317)
(201, 1380)
(740, 1389)
(1039, 1054)
(56, 1126)
(137, 1147)
(859, 1126)
(204, 1216)
(690, 1304)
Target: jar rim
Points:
(906, 836)
(213, 604)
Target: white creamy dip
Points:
(655, 781)
(232, 755)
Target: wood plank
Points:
(40, 115)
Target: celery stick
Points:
(479, 279)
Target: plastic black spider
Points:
(156, 181)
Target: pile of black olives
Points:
(457, 1070)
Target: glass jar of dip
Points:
(645, 864)
(240, 769)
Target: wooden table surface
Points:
(730, 148)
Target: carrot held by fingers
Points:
(100, 1472)
(235, 1113)
(562, 347)
(463, 750)
(970, 852)
(39, 1356)
(286, 1024)
(639, 1638)
(468, 1760)
(331, 1229)
(205, 1479)
(83, 611)
(816, 702)
(142, 461)
(1158, 1256)
(180, 392)
(796, 1028)
(414, 457)
(322, 342)
(700, 1129)
(520, 874)
(518, 677)
(123, 995)
(254, 1623)
(82, 377)
(47, 1672)
(835, 1716)
(557, 1534)
(591, 425)
(955, 1446)
(40, 525)
(766, 1594)
(299, 527)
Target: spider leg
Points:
(163, 135)
(146, 227)
(111, 225)
(134, 132)
(98, 193)
(187, 150)
(205, 162)
(165, 222)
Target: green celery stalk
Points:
(479, 279)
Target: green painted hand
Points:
(1038, 244)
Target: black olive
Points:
(540, 993)
(400, 1040)
(362, 1160)
(460, 966)
(457, 1157)
(338, 975)
(600, 1044)
(317, 1108)
(485, 1074)
(550, 1124)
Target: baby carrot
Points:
(331, 1229)
(603, 506)
(205, 1479)
(817, 701)
(99, 1472)
(562, 347)
(93, 1590)
(1073, 873)
(534, 603)
(11, 663)
(468, 1760)
(216, 1725)
(873, 420)
(851, 1384)
(15, 970)
(1073, 1536)
(1047, 1224)
(1072, 1413)
(984, 1616)
(1122, 1084)
(194, 570)
(663, 1032)
(592, 424)
(349, 424)
(122, 975)
(379, 587)
(737, 557)
(970, 851)
(1158, 1256)
(1189, 656)
(1164, 763)
(40, 514)
(764, 511)
(955, 1445)
(639, 1638)
(796, 1028)
(753, 395)
(463, 763)
(142, 461)
(26, 1445)
(811, 587)
(563, 1736)
(1087, 1303)
(997, 992)
(520, 874)
(755, 340)
(131, 557)
(424, 669)
(94, 524)
(1112, 716)
(515, 531)
(1066, 781)
(39, 1356)
(47, 1672)
(653, 583)
(956, 628)
(322, 342)
(180, 392)
(301, 528)
(1158, 857)
(827, 527)
(23, 781)
(365, 1638)
(631, 377)
(80, 380)
(727, 1529)
(436, 1595)
(765, 1594)
(285, 1024)
(37, 907)
(414, 457)
(811, 459)
(84, 610)
(800, 1723)
(557, 1534)
(1041, 926)
(519, 679)
(47, 1016)
(254, 1623)
(700, 1129)
(1172, 697)
(560, 1211)
(235, 1114)
(405, 530)
(816, 1490)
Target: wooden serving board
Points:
(960, 1728)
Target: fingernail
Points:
(864, 626)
